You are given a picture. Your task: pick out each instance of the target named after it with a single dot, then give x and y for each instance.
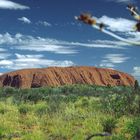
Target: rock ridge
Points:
(57, 76)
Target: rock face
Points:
(57, 76)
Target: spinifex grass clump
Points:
(133, 128)
(23, 109)
(109, 124)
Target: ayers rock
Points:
(57, 76)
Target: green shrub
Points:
(133, 128)
(35, 135)
(54, 103)
(119, 137)
(32, 95)
(3, 108)
(3, 111)
(85, 102)
(9, 91)
(2, 130)
(121, 104)
(136, 85)
(135, 106)
(37, 94)
(23, 109)
(53, 108)
(41, 109)
(71, 98)
(45, 90)
(109, 124)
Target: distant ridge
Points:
(57, 76)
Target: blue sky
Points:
(42, 33)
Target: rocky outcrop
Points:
(57, 76)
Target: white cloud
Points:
(96, 44)
(118, 24)
(116, 58)
(107, 44)
(124, 27)
(44, 23)
(7, 4)
(2, 50)
(121, 1)
(20, 56)
(107, 65)
(25, 42)
(58, 49)
(25, 20)
(135, 36)
(32, 61)
(111, 60)
(6, 38)
(136, 71)
(5, 63)
(38, 44)
(4, 55)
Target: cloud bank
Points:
(118, 24)
(110, 60)
(32, 61)
(121, 1)
(7, 4)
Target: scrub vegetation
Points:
(74, 112)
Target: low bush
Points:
(41, 109)
(109, 124)
(133, 127)
(119, 137)
(121, 104)
(85, 102)
(23, 109)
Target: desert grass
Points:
(66, 117)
